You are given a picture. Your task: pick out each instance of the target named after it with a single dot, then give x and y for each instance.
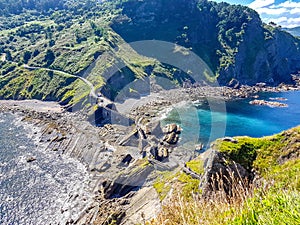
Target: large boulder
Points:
(171, 133)
(171, 138)
(171, 128)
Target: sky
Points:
(282, 12)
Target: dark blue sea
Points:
(50, 190)
(203, 123)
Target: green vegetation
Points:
(24, 84)
(168, 180)
(189, 186)
(275, 199)
(196, 165)
(70, 35)
(273, 207)
(163, 183)
(265, 208)
(266, 155)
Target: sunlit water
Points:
(201, 124)
(49, 190)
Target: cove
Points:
(238, 119)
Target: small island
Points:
(272, 104)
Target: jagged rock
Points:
(155, 129)
(152, 151)
(171, 132)
(170, 128)
(142, 134)
(163, 152)
(101, 167)
(115, 217)
(230, 139)
(147, 129)
(132, 139)
(143, 143)
(128, 181)
(30, 159)
(127, 159)
(171, 138)
(234, 83)
(268, 103)
(144, 206)
(221, 172)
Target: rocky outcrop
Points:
(221, 173)
(266, 55)
(152, 140)
(171, 133)
(268, 103)
(232, 40)
(131, 180)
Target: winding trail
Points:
(92, 92)
(100, 100)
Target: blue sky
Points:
(283, 12)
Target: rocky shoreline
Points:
(160, 103)
(114, 155)
(124, 161)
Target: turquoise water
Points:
(236, 118)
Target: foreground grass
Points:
(270, 208)
(273, 199)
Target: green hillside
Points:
(70, 35)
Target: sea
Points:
(202, 123)
(53, 189)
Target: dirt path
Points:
(92, 92)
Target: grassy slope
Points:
(71, 56)
(276, 159)
(73, 39)
(47, 33)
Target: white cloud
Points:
(294, 20)
(285, 21)
(271, 11)
(278, 20)
(295, 11)
(261, 3)
(290, 4)
(285, 14)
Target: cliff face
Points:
(232, 40)
(264, 56)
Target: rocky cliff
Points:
(231, 39)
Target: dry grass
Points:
(245, 204)
(217, 208)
